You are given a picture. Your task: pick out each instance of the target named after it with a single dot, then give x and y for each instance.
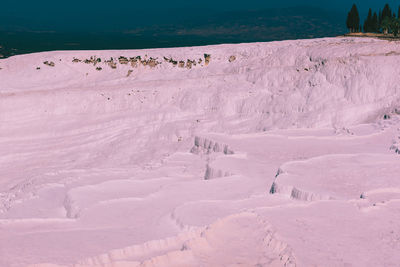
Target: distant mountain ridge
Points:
(177, 30)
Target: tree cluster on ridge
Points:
(384, 21)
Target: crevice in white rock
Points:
(71, 210)
(215, 173)
(296, 193)
(207, 146)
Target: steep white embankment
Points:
(166, 157)
(323, 82)
(336, 176)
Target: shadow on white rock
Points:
(206, 146)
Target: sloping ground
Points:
(266, 154)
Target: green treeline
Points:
(385, 21)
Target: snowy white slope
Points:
(264, 154)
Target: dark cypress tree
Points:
(353, 19)
(398, 13)
(349, 20)
(368, 22)
(375, 23)
(386, 12)
(379, 19)
(395, 26)
(385, 19)
(386, 25)
(356, 18)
